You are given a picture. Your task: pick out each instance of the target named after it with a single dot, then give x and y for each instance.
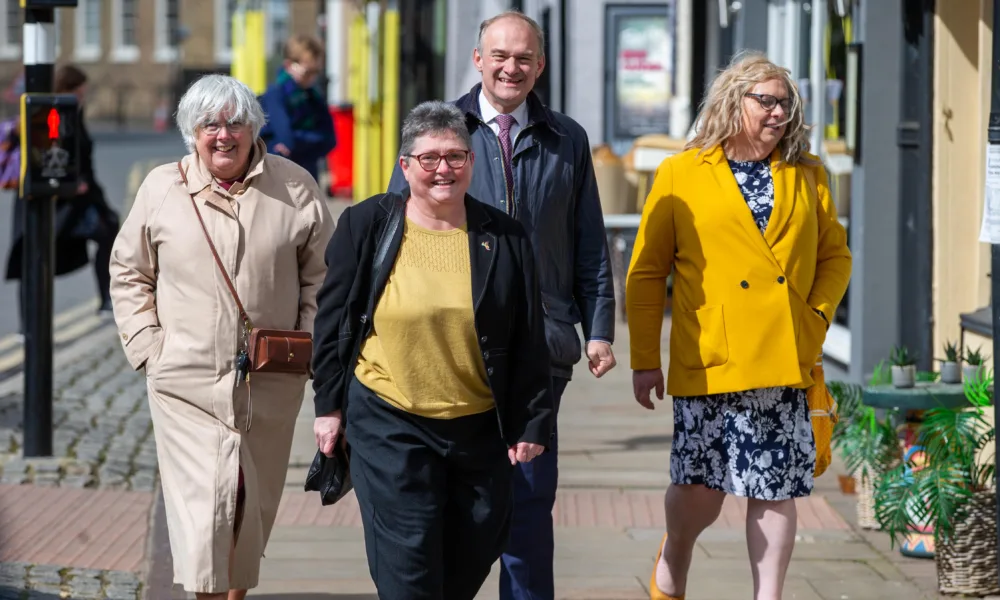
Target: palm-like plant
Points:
(868, 445)
(935, 491)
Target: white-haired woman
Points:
(744, 219)
(222, 458)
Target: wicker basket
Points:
(967, 561)
(866, 502)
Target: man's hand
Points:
(282, 149)
(524, 452)
(602, 359)
(643, 382)
(327, 430)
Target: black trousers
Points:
(435, 498)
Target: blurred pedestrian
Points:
(83, 218)
(299, 126)
(179, 320)
(535, 165)
(444, 372)
(744, 220)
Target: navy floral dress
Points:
(757, 443)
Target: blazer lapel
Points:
(733, 197)
(482, 249)
(785, 187)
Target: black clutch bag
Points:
(331, 476)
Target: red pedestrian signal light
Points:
(53, 122)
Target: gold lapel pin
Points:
(486, 244)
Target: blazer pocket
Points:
(699, 338)
(812, 334)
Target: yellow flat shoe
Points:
(654, 591)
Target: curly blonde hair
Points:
(722, 110)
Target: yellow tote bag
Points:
(823, 414)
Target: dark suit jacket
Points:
(507, 304)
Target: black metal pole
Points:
(993, 138)
(38, 261)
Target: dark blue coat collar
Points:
(537, 112)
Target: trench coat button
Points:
(124, 336)
(744, 284)
(486, 355)
(781, 280)
(482, 340)
(489, 371)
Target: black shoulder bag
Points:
(331, 475)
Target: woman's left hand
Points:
(524, 452)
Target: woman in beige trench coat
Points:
(178, 320)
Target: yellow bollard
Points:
(362, 115)
(390, 92)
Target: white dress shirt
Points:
(490, 115)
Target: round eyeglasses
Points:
(768, 102)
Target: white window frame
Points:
(223, 53)
(8, 51)
(165, 51)
(82, 51)
(269, 29)
(120, 52)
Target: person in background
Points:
(83, 218)
(535, 165)
(744, 220)
(299, 126)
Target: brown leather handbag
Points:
(269, 350)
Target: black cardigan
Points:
(507, 304)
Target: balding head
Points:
(517, 17)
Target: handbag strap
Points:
(382, 249)
(215, 253)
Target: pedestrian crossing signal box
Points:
(48, 3)
(50, 145)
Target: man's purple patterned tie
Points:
(506, 122)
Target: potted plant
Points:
(973, 369)
(868, 445)
(951, 364)
(904, 369)
(951, 489)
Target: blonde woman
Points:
(744, 219)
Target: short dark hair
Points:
(68, 79)
(515, 14)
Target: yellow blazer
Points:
(746, 306)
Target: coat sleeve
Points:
(133, 278)
(593, 281)
(646, 283)
(312, 267)
(330, 376)
(833, 258)
(530, 375)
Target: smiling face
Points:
(444, 184)
(766, 108)
(510, 62)
(224, 146)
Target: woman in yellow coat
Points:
(743, 218)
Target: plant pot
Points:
(866, 502)
(972, 372)
(967, 561)
(847, 484)
(951, 372)
(904, 377)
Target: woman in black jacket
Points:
(86, 217)
(441, 376)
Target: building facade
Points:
(140, 54)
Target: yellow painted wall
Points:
(961, 60)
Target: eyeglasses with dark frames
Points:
(768, 102)
(429, 161)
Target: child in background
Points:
(299, 126)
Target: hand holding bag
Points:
(331, 475)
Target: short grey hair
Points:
(430, 118)
(515, 14)
(210, 96)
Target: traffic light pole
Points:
(38, 255)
